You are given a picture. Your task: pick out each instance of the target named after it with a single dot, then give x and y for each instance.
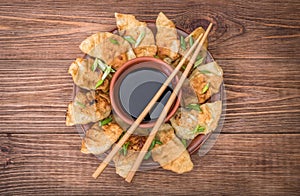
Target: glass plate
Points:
(201, 143)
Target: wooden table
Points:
(256, 43)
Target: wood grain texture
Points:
(48, 163)
(253, 98)
(53, 30)
(255, 42)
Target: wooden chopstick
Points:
(164, 113)
(136, 123)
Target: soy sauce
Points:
(138, 88)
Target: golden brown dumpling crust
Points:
(84, 77)
(185, 121)
(198, 82)
(180, 165)
(107, 46)
(128, 25)
(84, 148)
(118, 61)
(145, 51)
(123, 163)
(88, 107)
(195, 34)
(98, 139)
(210, 74)
(127, 21)
(171, 155)
(166, 38)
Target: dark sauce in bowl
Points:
(135, 84)
(138, 88)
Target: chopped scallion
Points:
(205, 71)
(205, 88)
(139, 39)
(105, 121)
(191, 41)
(184, 142)
(102, 65)
(80, 104)
(199, 129)
(155, 141)
(95, 65)
(147, 155)
(106, 72)
(182, 43)
(124, 148)
(198, 61)
(113, 41)
(129, 39)
(194, 106)
(99, 83)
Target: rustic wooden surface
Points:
(256, 42)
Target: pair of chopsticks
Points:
(162, 116)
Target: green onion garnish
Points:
(205, 71)
(152, 145)
(156, 56)
(95, 65)
(129, 39)
(191, 41)
(194, 106)
(113, 41)
(106, 72)
(158, 142)
(148, 154)
(139, 39)
(182, 43)
(205, 88)
(105, 121)
(199, 129)
(124, 148)
(184, 142)
(80, 104)
(99, 83)
(101, 64)
(198, 62)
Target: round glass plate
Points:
(201, 144)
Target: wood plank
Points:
(248, 163)
(242, 29)
(35, 94)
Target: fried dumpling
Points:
(124, 160)
(84, 77)
(88, 107)
(206, 80)
(99, 139)
(190, 123)
(166, 38)
(110, 48)
(171, 155)
(190, 39)
(129, 27)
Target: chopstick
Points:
(164, 113)
(136, 123)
